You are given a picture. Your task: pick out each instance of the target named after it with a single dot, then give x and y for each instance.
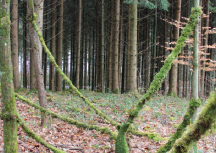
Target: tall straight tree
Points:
(133, 46)
(39, 5)
(24, 45)
(174, 69)
(39, 10)
(60, 46)
(205, 43)
(195, 79)
(37, 61)
(52, 48)
(9, 112)
(79, 26)
(115, 82)
(109, 53)
(14, 29)
(102, 47)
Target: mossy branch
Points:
(193, 105)
(153, 136)
(202, 124)
(158, 79)
(78, 124)
(36, 137)
(58, 69)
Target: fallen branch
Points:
(202, 124)
(121, 143)
(78, 124)
(58, 69)
(181, 128)
(36, 137)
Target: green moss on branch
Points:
(69, 120)
(158, 79)
(153, 136)
(194, 104)
(203, 123)
(58, 69)
(37, 138)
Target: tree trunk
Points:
(37, 63)
(52, 48)
(79, 26)
(115, 82)
(109, 55)
(60, 45)
(133, 47)
(205, 43)
(154, 45)
(86, 62)
(32, 68)
(9, 112)
(14, 30)
(195, 79)
(195, 83)
(147, 79)
(120, 43)
(24, 46)
(123, 65)
(45, 38)
(174, 69)
(102, 46)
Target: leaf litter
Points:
(161, 115)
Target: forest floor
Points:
(160, 115)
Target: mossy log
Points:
(193, 105)
(121, 144)
(203, 123)
(58, 69)
(106, 130)
(36, 137)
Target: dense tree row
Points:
(113, 46)
(124, 50)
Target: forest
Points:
(103, 76)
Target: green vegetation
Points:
(121, 144)
(202, 124)
(181, 128)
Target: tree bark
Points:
(60, 46)
(102, 47)
(79, 26)
(24, 46)
(174, 69)
(115, 82)
(133, 47)
(52, 48)
(9, 112)
(14, 30)
(37, 63)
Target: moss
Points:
(202, 124)
(152, 136)
(170, 93)
(58, 69)
(115, 91)
(121, 143)
(69, 120)
(49, 99)
(9, 111)
(159, 77)
(193, 105)
(36, 137)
